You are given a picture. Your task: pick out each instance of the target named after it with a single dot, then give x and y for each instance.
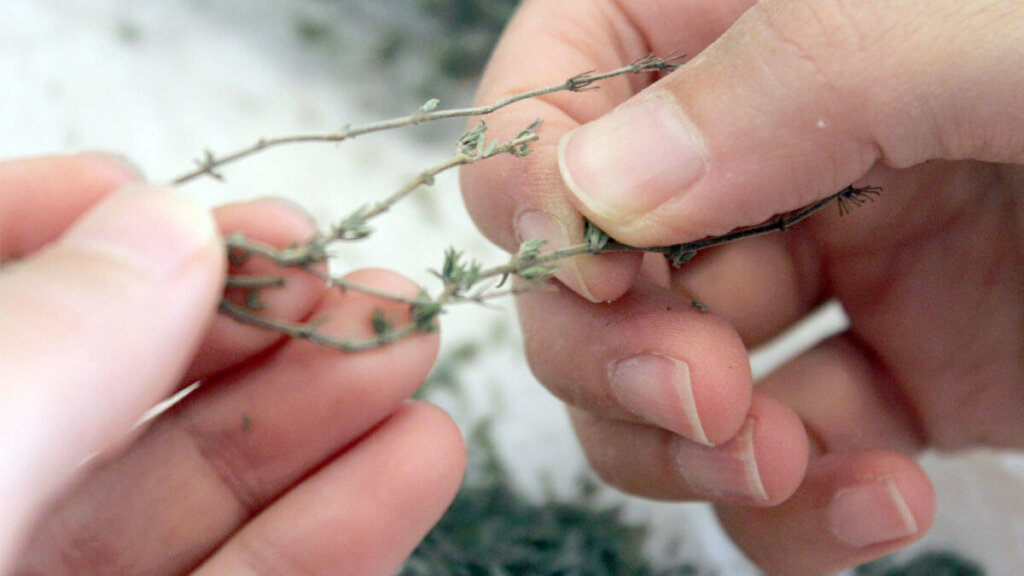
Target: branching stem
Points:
(462, 280)
(312, 332)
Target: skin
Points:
(792, 100)
(289, 459)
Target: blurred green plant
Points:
(927, 564)
(471, 28)
(492, 529)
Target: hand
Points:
(287, 459)
(782, 103)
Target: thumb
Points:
(94, 330)
(795, 101)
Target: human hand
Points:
(287, 459)
(783, 103)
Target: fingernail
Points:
(657, 389)
(728, 471)
(534, 224)
(634, 159)
(156, 230)
(871, 513)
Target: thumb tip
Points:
(152, 229)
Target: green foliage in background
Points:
(927, 564)
(471, 29)
(493, 530)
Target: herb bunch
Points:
(462, 279)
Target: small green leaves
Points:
(429, 106)
(538, 272)
(527, 134)
(530, 249)
(595, 238)
(381, 323)
(425, 312)
(354, 226)
(457, 273)
(253, 300)
(208, 164)
(471, 143)
(679, 255)
(524, 262)
(238, 254)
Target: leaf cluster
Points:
(932, 563)
(491, 529)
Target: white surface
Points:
(220, 73)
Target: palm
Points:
(932, 284)
(930, 276)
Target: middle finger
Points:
(649, 357)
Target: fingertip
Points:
(851, 508)
(274, 220)
(606, 277)
(782, 447)
(597, 278)
(763, 464)
(445, 445)
(879, 499)
(116, 166)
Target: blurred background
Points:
(161, 82)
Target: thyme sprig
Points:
(463, 280)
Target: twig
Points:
(599, 242)
(682, 253)
(472, 148)
(211, 164)
(312, 331)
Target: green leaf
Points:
(425, 312)
(354, 226)
(383, 325)
(538, 272)
(680, 255)
(429, 106)
(530, 249)
(595, 238)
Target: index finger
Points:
(516, 199)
